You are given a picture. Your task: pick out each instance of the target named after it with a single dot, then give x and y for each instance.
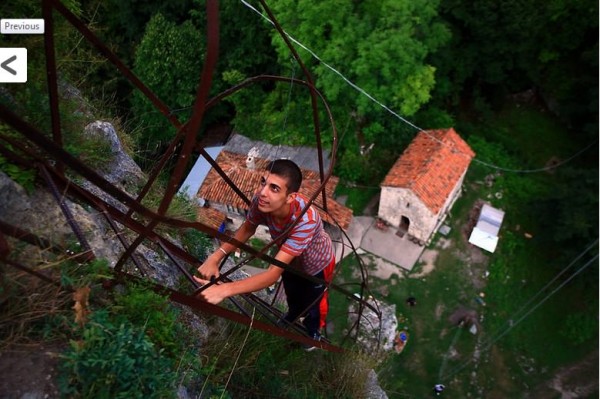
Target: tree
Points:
(511, 46)
(169, 62)
(380, 46)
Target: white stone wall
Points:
(454, 195)
(397, 202)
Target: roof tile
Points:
(215, 189)
(431, 166)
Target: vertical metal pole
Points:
(51, 79)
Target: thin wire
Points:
(388, 109)
(289, 99)
(239, 353)
(563, 271)
(544, 169)
(489, 345)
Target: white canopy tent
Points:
(485, 233)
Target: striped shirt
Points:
(307, 240)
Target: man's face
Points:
(272, 193)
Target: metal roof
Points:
(304, 157)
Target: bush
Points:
(168, 60)
(152, 312)
(114, 361)
(580, 327)
(197, 243)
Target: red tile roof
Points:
(431, 166)
(216, 190)
(210, 217)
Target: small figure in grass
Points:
(438, 389)
(411, 300)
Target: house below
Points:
(216, 194)
(424, 183)
(244, 160)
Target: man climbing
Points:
(307, 247)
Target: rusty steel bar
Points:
(119, 235)
(215, 310)
(51, 78)
(35, 273)
(158, 104)
(193, 125)
(25, 236)
(4, 247)
(313, 95)
(189, 129)
(42, 243)
(89, 253)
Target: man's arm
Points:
(210, 267)
(217, 293)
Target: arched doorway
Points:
(404, 225)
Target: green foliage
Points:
(515, 46)
(382, 49)
(580, 327)
(357, 197)
(245, 36)
(574, 204)
(73, 274)
(197, 243)
(180, 207)
(152, 312)
(169, 61)
(114, 361)
(24, 177)
(433, 117)
(283, 116)
(258, 363)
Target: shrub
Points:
(168, 60)
(197, 243)
(114, 361)
(580, 327)
(150, 311)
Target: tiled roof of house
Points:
(215, 189)
(210, 217)
(431, 166)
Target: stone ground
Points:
(27, 371)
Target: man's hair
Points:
(289, 171)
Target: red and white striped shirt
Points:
(307, 240)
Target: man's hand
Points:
(210, 268)
(213, 294)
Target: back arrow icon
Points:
(5, 66)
